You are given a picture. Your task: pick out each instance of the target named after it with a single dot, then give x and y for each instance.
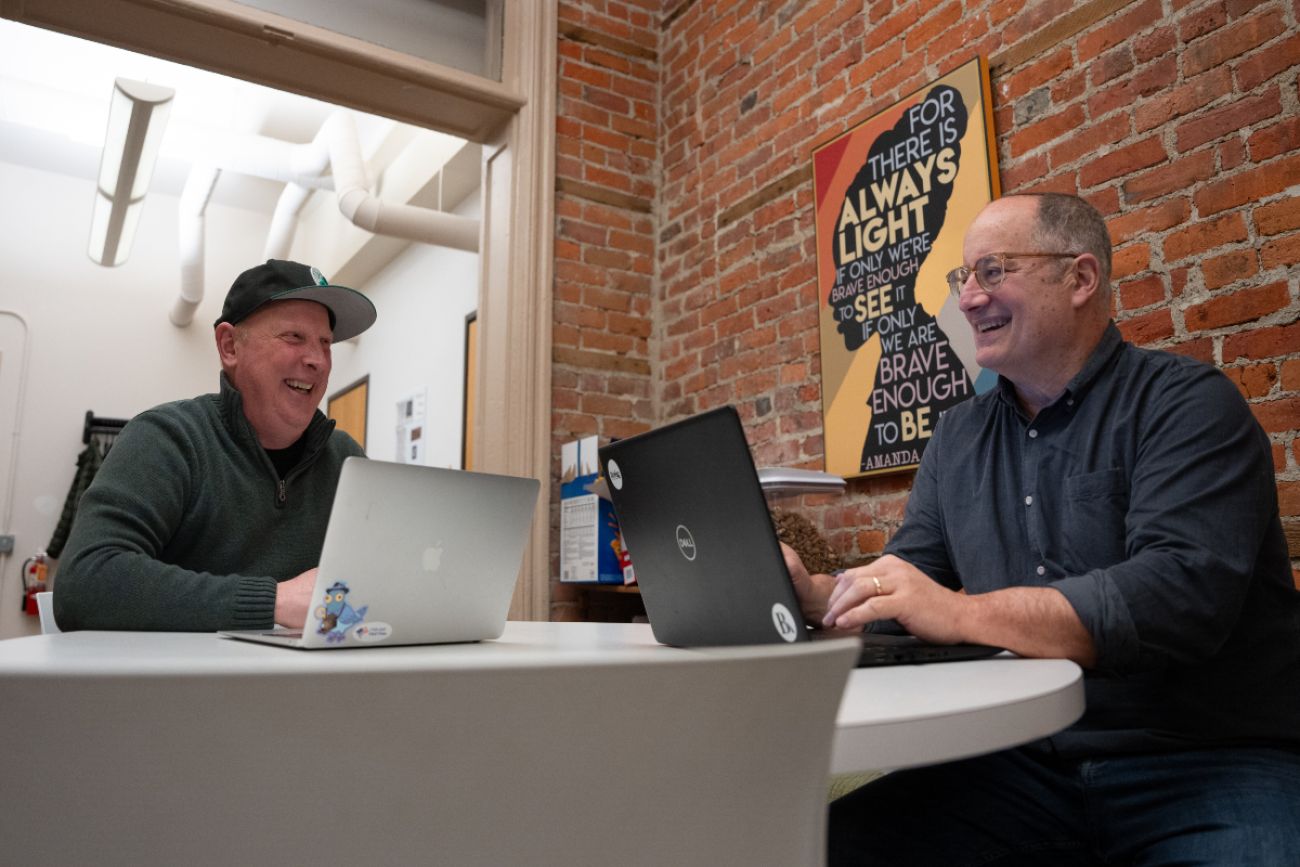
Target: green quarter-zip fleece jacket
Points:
(188, 527)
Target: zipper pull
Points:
(280, 492)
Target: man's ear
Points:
(1087, 280)
(226, 336)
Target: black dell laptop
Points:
(697, 527)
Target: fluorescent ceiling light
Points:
(136, 120)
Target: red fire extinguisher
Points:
(35, 570)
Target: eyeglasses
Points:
(989, 270)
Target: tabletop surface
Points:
(890, 716)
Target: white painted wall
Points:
(99, 339)
(422, 299)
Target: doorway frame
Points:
(514, 119)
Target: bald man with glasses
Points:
(1107, 504)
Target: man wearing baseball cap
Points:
(209, 513)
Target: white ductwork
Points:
(336, 147)
(190, 230)
(386, 218)
(284, 221)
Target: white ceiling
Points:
(54, 99)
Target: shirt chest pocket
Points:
(1095, 509)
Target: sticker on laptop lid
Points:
(336, 616)
(615, 475)
(369, 633)
(786, 626)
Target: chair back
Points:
(45, 608)
(343, 757)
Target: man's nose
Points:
(972, 294)
(317, 356)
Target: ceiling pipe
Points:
(301, 167)
(190, 230)
(284, 222)
(368, 212)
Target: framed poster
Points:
(894, 196)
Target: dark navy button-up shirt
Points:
(1146, 495)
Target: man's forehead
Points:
(1000, 221)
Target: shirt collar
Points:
(1106, 348)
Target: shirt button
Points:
(1029, 501)
(1033, 434)
(1041, 570)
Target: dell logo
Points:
(685, 542)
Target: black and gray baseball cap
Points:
(278, 280)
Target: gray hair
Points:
(1068, 224)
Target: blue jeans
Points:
(1238, 806)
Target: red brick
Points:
(1156, 43)
(1148, 328)
(1277, 416)
(1202, 21)
(1232, 153)
(1261, 343)
(1275, 140)
(1035, 134)
(1228, 119)
(1232, 41)
(1253, 380)
(1153, 79)
(1244, 305)
(1155, 218)
(1291, 375)
(1268, 62)
(1142, 292)
(1130, 260)
(1219, 271)
(1288, 502)
(1035, 74)
(1195, 93)
(1111, 65)
(1202, 349)
(1180, 174)
(1119, 29)
(1090, 139)
(1249, 185)
(1282, 251)
(931, 24)
(1124, 161)
(1023, 171)
(1205, 235)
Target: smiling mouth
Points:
(990, 325)
(299, 386)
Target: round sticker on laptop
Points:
(786, 626)
(615, 475)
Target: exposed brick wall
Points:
(1177, 118)
(606, 168)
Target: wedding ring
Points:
(880, 591)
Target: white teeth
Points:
(990, 324)
(298, 384)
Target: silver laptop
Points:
(414, 555)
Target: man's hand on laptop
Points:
(292, 598)
(891, 588)
(813, 590)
